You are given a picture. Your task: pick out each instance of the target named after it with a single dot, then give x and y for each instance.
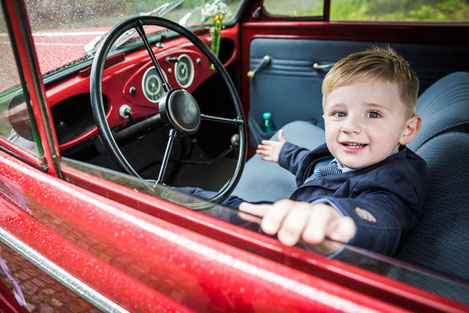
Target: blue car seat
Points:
(440, 240)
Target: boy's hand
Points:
(292, 220)
(270, 149)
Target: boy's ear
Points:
(411, 129)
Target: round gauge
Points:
(184, 71)
(152, 85)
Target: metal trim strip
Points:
(81, 289)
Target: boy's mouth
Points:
(353, 145)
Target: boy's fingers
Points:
(281, 137)
(325, 221)
(273, 219)
(294, 223)
(255, 209)
(342, 229)
(320, 217)
(267, 142)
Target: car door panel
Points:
(154, 265)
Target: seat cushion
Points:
(440, 240)
(263, 180)
(444, 106)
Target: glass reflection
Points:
(373, 262)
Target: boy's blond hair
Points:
(377, 63)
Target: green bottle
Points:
(267, 124)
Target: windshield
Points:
(67, 32)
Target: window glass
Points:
(412, 275)
(15, 110)
(400, 10)
(297, 8)
(67, 32)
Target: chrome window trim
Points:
(81, 289)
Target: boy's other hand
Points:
(293, 220)
(270, 149)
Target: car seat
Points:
(263, 180)
(440, 240)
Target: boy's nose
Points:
(351, 125)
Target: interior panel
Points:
(290, 88)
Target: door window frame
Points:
(33, 88)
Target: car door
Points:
(73, 240)
(78, 237)
(304, 39)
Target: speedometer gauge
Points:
(184, 71)
(152, 85)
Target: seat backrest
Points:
(440, 240)
(444, 106)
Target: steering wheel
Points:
(178, 109)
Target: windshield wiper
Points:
(160, 11)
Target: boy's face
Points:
(365, 122)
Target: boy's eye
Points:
(373, 114)
(340, 114)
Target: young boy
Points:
(363, 186)
(369, 103)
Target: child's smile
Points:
(353, 147)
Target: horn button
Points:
(181, 110)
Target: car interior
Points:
(288, 86)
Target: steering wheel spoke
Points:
(141, 31)
(233, 121)
(167, 154)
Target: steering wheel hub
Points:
(181, 110)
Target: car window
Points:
(301, 8)
(66, 32)
(15, 109)
(400, 10)
(364, 259)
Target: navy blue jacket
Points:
(384, 200)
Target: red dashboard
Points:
(129, 81)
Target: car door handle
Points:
(318, 66)
(266, 60)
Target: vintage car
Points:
(105, 106)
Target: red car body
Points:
(75, 242)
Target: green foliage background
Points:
(400, 10)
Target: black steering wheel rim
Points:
(99, 113)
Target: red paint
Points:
(343, 274)
(139, 252)
(29, 66)
(149, 255)
(8, 303)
